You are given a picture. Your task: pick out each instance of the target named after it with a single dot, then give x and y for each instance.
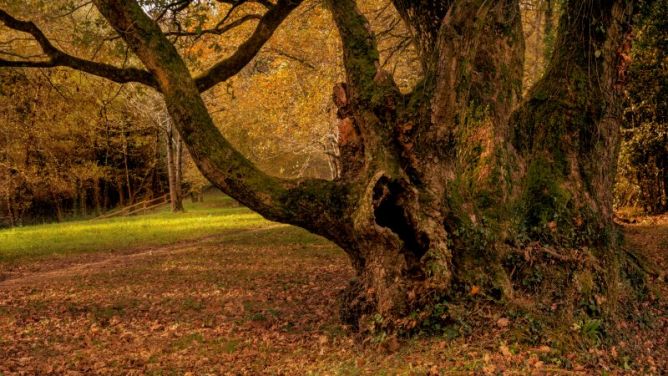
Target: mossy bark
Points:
(568, 129)
(453, 187)
(483, 190)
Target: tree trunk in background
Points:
(121, 191)
(178, 171)
(173, 169)
(171, 174)
(75, 203)
(83, 207)
(59, 211)
(106, 188)
(155, 183)
(10, 212)
(96, 196)
(128, 182)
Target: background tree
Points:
(68, 150)
(538, 22)
(150, 106)
(643, 179)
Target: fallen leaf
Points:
(505, 351)
(544, 349)
(502, 322)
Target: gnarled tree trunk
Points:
(457, 187)
(458, 184)
(464, 186)
(441, 189)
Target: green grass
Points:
(215, 216)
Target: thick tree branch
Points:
(312, 204)
(360, 51)
(479, 42)
(247, 50)
(58, 58)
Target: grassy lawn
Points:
(217, 214)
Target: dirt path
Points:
(81, 265)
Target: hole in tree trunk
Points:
(390, 213)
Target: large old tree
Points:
(460, 185)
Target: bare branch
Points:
(71, 11)
(360, 51)
(290, 56)
(219, 29)
(247, 50)
(174, 7)
(220, 72)
(236, 3)
(58, 58)
(424, 19)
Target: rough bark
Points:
(455, 185)
(567, 132)
(468, 182)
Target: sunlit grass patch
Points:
(162, 227)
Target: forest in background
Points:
(73, 145)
